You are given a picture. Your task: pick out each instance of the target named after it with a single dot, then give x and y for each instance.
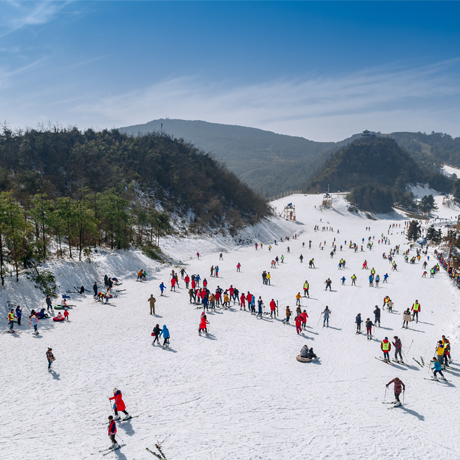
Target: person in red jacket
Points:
(66, 315)
(119, 404)
(193, 284)
(298, 324)
(203, 324)
(187, 281)
(112, 432)
(243, 302)
(304, 319)
(399, 387)
(173, 284)
(272, 309)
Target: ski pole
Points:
(120, 438)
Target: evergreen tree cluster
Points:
(81, 189)
(376, 171)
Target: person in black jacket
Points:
(48, 303)
(156, 334)
(95, 289)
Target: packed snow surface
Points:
(239, 392)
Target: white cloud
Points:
(21, 14)
(320, 108)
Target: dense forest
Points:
(81, 189)
(376, 171)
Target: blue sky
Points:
(322, 70)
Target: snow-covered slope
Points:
(239, 393)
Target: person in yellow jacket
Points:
(306, 287)
(268, 278)
(11, 317)
(385, 346)
(416, 309)
(297, 298)
(226, 301)
(440, 352)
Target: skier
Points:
(416, 309)
(398, 349)
(385, 346)
(358, 322)
(376, 316)
(119, 404)
(447, 356)
(198, 255)
(162, 287)
(369, 325)
(173, 284)
(297, 298)
(353, 280)
(112, 433)
(165, 333)
(306, 287)
(377, 281)
(301, 258)
(343, 279)
(269, 277)
(440, 352)
(95, 290)
(11, 317)
(187, 281)
(152, 301)
(326, 314)
(385, 278)
(238, 267)
(243, 302)
(437, 369)
(221, 257)
(156, 334)
(202, 327)
(398, 388)
(311, 264)
(328, 283)
(50, 357)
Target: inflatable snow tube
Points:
(58, 319)
(60, 307)
(303, 360)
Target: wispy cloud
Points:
(322, 108)
(18, 14)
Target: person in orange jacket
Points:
(297, 298)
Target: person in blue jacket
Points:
(197, 280)
(162, 288)
(19, 314)
(165, 333)
(437, 368)
(343, 279)
(385, 278)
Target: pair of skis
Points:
(111, 449)
(161, 455)
(421, 363)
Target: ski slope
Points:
(240, 393)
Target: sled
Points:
(302, 360)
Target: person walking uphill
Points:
(152, 301)
(415, 309)
(119, 404)
(50, 357)
(398, 349)
(156, 334)
(399, 387)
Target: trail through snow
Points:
(239, 393)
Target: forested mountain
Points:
(269, 163)
(272, 163)
(88, 188)
(377, 171)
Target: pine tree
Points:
(414, 231)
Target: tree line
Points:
(45, 227)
